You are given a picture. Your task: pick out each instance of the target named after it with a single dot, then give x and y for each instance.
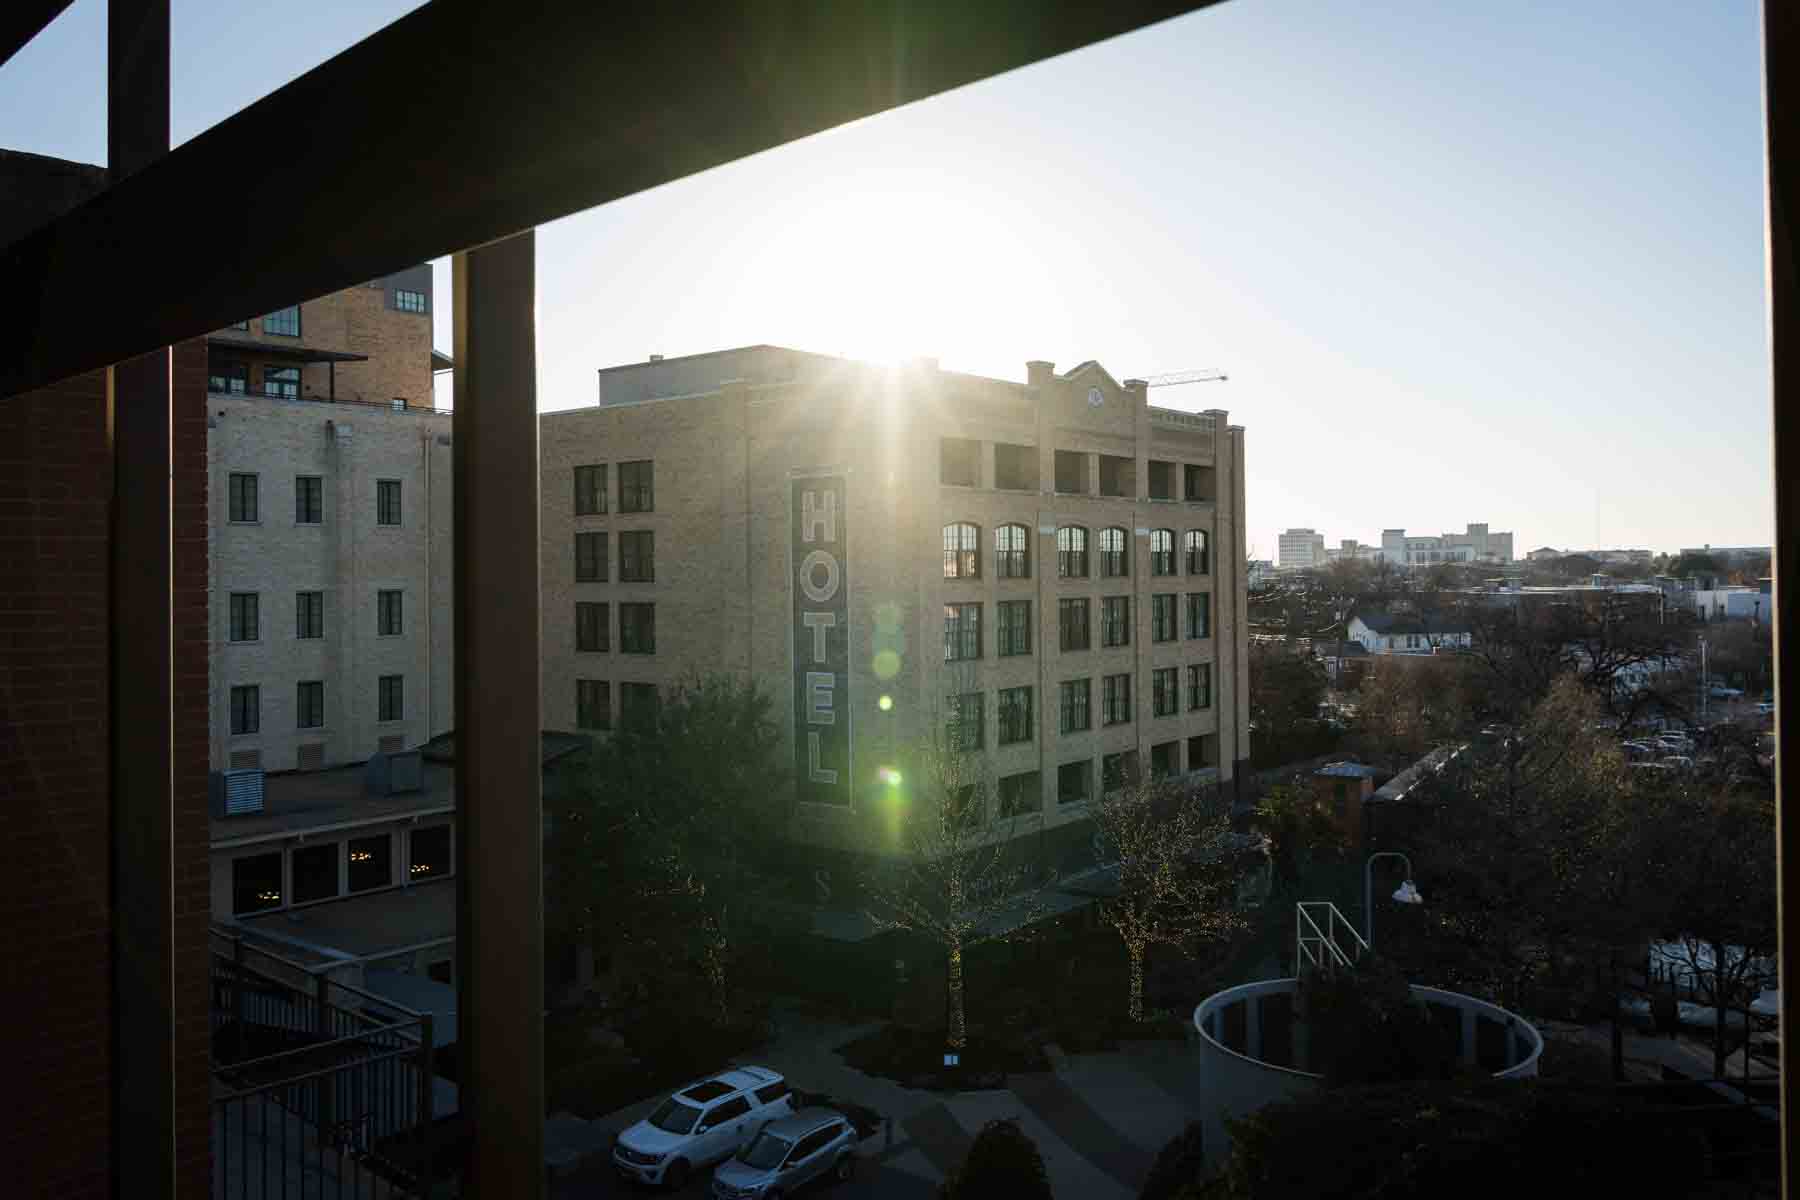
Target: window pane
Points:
(256, 883)
(371, 862)
(315, 870)
(430, 853)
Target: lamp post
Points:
(1406, 893)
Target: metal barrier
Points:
(1317, 946)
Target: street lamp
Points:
(1407, 893)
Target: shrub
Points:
(1366, 1027)
(1470, 1139)
(1178, 1164)
(1003, 1161)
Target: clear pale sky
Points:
(1463, 262)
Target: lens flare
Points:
(887, 664)
(885, 704)
(890, 776)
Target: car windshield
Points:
(766, 1152)
(674, 1116)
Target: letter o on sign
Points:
(815, 592)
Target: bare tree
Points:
(959, 879)
(1176, 884)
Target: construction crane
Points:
(1211, 375)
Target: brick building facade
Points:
(1062, 549)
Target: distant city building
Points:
(1474, 545)
(1728, 557)
(1733, 603)
(1383, 633)
(1544, 554)
(1301, 549)
(1351, 550)
(1258, 572)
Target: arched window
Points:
(1071, 552)
(962, 551)
(1012, 554)
(1199, 563)
(1113, 559)
(1162, 551)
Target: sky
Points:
(1498, 263)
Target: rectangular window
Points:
(1197, 482)
(1075, 716)
(1072, 624)
(964, 728)
(315, 871)
(309, 704)
(388, 614)
(1165, 692)
(1162, 480)
(1074, 782)
(282, 382)
(637, 629)
(962, 632)
(590, 490)
(256, 883)
(1115, 554)
(1015, 467)
(593, 704)
(309, 499)
(1015, 715)
(245, 625)
(1115, 699)
(1165, 759)
(590, 558)
(639, 704)
(1199, 606)
(1020, 795)
(242, 490)
(1115, 621)
(1012, 628)
(591, 622)
(637, 487)
(1162, 618)
(637, 556)
(429, 852)
(959, 462)
(1199, 683)
(309, 615)
(1071, 467)
(283, 321)
(230, 378)
(371, 862)
(390, 698)
(387, 501)
(246, 708)
(407, 300)
(1118, 770)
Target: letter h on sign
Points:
(821, 642)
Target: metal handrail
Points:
(1325, 939)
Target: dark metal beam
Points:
(141, 726)
(499, 763)
(1781, 94)
(22, 20)
(498, 118)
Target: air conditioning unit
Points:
(391, 774)
(236, 793)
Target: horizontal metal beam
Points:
(469, 120)
(22, 20)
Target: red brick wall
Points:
(54, 904)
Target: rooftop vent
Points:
(236, 793)
(392, 774)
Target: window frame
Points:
(1071, 557)
(279, 316)
(390, 612)
(964, 734)
(1012, 561)
(1075, 701)
(593, 617)
(962, 632)
(1201, 551)
(1086, 774)
(1199, 615)
(1017, 722)
(401, 303)
(239, 487)
(240, 693)
(588, 714)
(390, 698)
(309, 487)
(1165, 618)
(387, 503)
(310, 601)
(590, 500)
(1199, 687)
(962, 550)
(636, 566)
(642, 489)
(1115, 699)
(1115, 622)
(1065, 605)
(1027, 797)
(1115, 563)
(1165, 692)
(599, 569)
(633, 713)
(244, 617)
(1162, 560)
(275, 382)
(228, 378)
(309, 701)
(1012, 639)
(631, 636)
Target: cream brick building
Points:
(330, 539)
(823, 526)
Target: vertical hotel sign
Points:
(821, 638)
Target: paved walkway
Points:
(1098, 1119)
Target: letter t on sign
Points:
(818, 622)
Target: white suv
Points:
(701, 1124)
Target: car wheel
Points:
(676, 1175)
(846, 1167)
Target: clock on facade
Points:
(1095, 398)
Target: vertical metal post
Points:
(499, 799)
(139, 397)
(237, 995)
(1781, 48)
(425, 1117)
